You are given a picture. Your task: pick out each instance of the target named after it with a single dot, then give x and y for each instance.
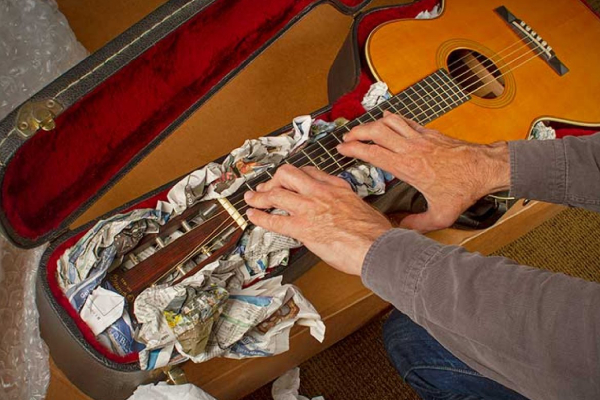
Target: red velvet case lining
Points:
(348, 106)
(55, 172)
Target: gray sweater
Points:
(534, 331)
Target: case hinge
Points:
(36, 115)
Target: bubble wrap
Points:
(24, 371)
(36, 46)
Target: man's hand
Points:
(451, 174)
(324, 214)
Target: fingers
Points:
(371, 153)
(289, 177)
(276, 198)
(377, 132)
(389, 132)
(404, 126)
(282, 224)
(325, 177)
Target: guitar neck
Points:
(426, 100)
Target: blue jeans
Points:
(433, 371)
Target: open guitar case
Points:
(70, 143)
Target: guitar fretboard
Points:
(426, 100)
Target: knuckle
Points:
(276, 194)
(284, 170)
(309, 168)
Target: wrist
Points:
(495, 171)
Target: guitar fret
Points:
(436, 96)
(453, 94)
(310, 159)
(406, 111)
(330, 155)
(391, 104)
(425, 97)
(420, 115)
(462, 97)
(436, 82)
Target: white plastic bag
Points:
(163, 391)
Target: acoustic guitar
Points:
(483, 71)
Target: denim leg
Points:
(432, 370)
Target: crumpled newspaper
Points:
(83, 266)
(377, 94)
(541, 131)
(433, 13)
(209, 315)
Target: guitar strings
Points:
(491, 62)
(530, 40)
(341, 167)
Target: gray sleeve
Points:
(563, 171)
(533, 331)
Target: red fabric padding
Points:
(64, 302)
(55, 172)
(347, 106)
(563, 130)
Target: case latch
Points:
(37, 114)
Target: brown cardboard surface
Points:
(96, 22)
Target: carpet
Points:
(357, 367)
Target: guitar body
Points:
(402, 52)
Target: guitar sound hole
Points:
(475, 73)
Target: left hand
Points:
(324, 214)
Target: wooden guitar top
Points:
(402, 52)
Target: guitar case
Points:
(63, 150)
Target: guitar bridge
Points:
(534, 40)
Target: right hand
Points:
(450, 173)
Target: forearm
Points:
(526, 328)
(564, 171)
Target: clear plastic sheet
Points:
(36, 46)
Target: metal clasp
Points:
(37, 114)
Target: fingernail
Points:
(259, 187)
(248, 195)
(344, 137)
(250, 212)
